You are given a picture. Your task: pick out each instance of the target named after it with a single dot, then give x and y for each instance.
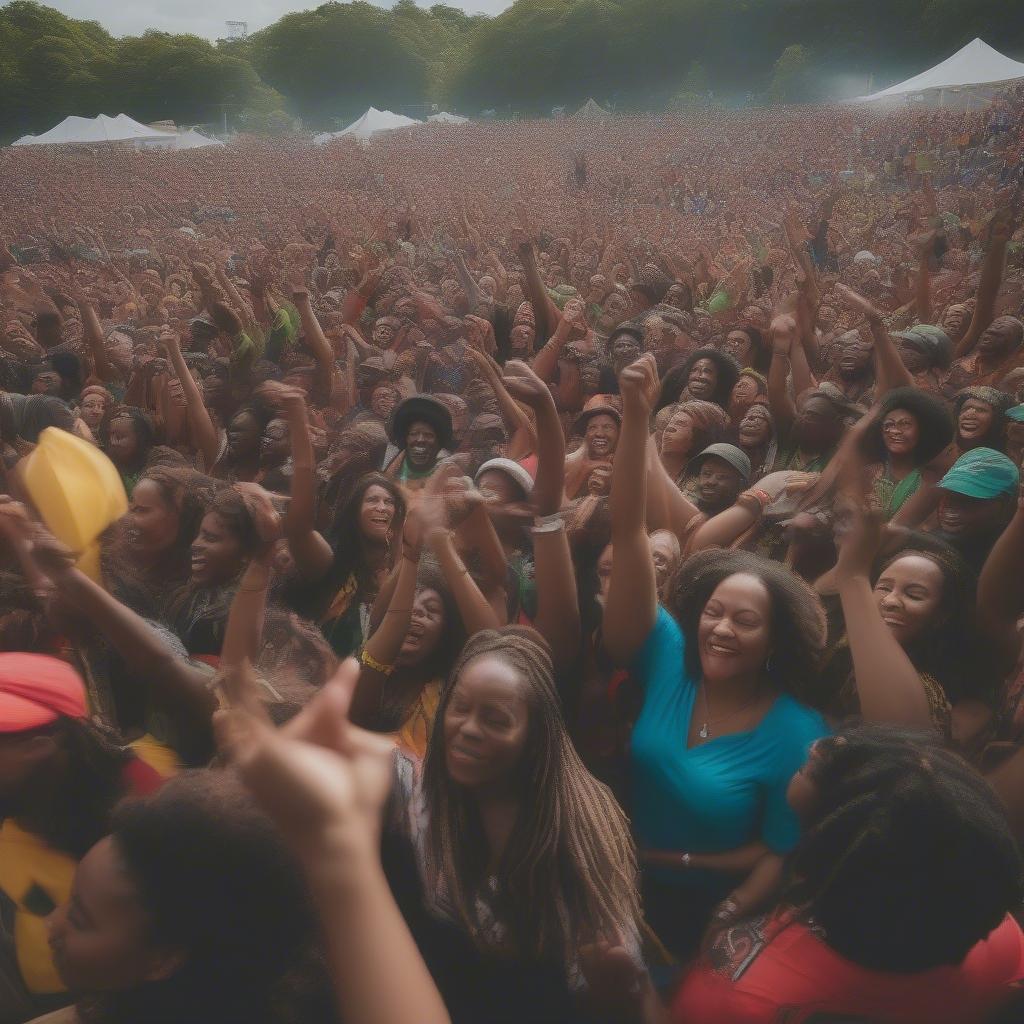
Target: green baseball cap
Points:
(930, 340)
(982, 473)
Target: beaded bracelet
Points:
(378, 666)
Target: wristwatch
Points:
(684, 859)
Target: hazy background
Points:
(321, 67)
(207, 17)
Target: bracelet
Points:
(378, 666)
(548, 524)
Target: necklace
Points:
(708, 720)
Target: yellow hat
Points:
(77, 491)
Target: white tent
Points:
(445, 118)
(83, 130)
(194, 140)
(371, 123)
(592, 109)
(976, 64)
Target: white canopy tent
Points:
(194, 140)
(373, 122)
(977, 64)
(592, 109)
(445, 118)
(75, 130)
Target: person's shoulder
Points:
(792, 722)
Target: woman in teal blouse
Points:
(722, 729)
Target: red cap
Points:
(36, 690)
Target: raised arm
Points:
(522, 436)
(543, 307)
(469, 285)
(92, 334)
(783, 335)
(325, 782)
(546, 361)
(632, 606)
(174, 684)
(204, 433)
(558, 613)
(888, 685)
(312, 554)
(890, 371)
(380, 652)
(992, 268)
(315, 338)
(1001, 593)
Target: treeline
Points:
(328, 64)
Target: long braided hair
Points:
(568, 874)
(907, 859)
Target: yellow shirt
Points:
(36, 878)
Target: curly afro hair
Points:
(676, 379)
(798, 618)
(934, 423)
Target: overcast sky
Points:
(207, 17)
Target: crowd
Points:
(563, 571)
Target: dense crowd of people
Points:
(557, 571)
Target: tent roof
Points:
(445, 118)
(194, 140)
(101, 128)
(372, 122)
(592, 109)
(976, 64)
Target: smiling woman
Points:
(518, 845)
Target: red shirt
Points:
(770, 971)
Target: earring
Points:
(768, 664)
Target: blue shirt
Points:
(724, 793)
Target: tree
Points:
(333, 62)
(791, 81)
(694, 90)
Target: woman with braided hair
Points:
(518, 845)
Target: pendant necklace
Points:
(708, 720)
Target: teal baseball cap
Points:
(1015, 413)
(982, 473)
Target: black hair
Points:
(676, 379)
(934, 423)
(230, 507)
(798, 618)
(909, 860)
(142, 424)
(761, 353)
(218, 882)
(349, 553)
(70, 806)
(950, 651)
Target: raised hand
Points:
(321, 779)
(524, 385)
(639, 384)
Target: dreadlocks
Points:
(571, 840)
(909, 860)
